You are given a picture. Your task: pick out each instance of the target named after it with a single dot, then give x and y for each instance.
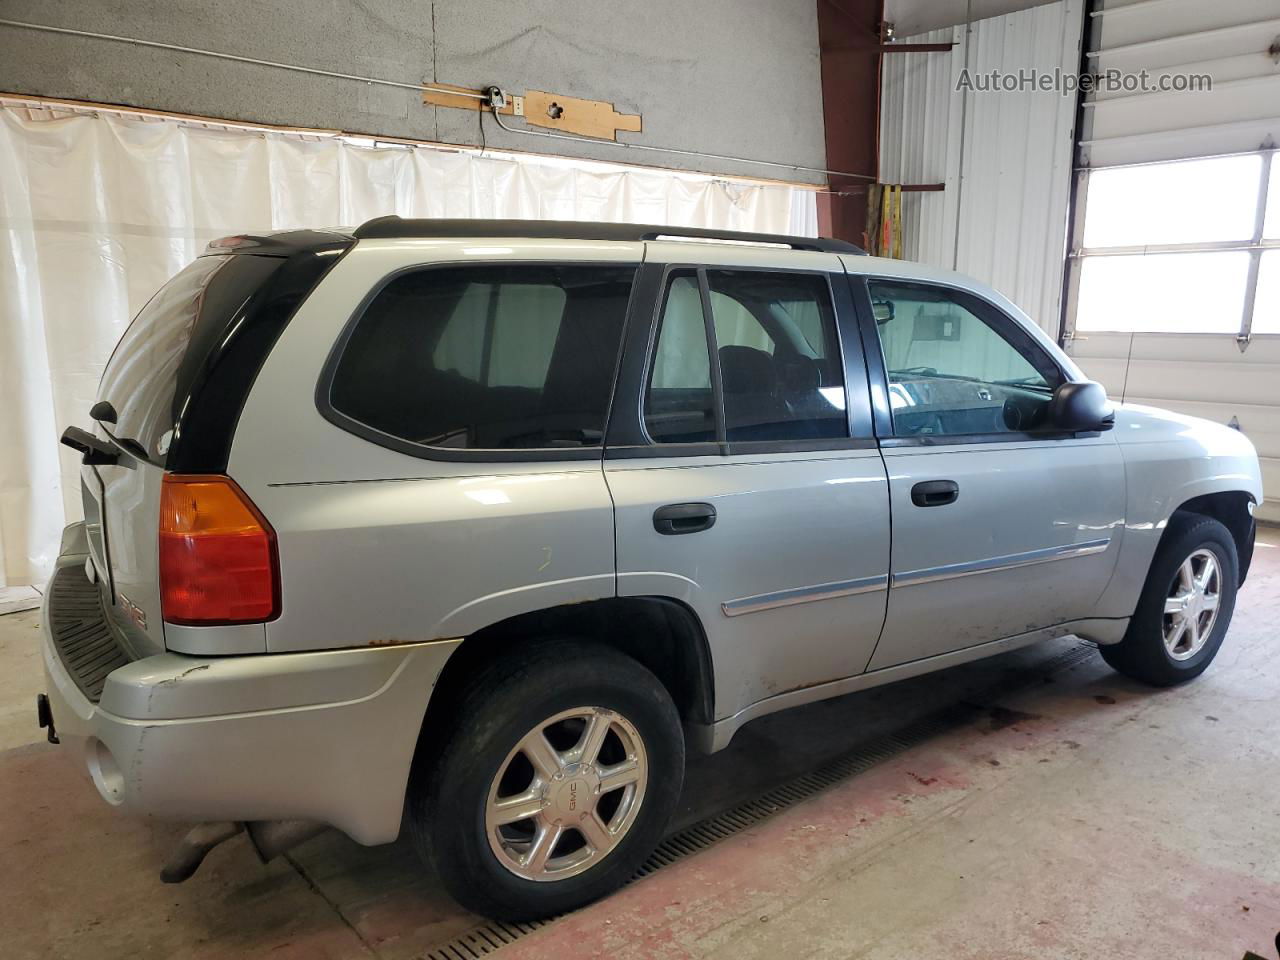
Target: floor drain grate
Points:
(487, 938)
(483, 940)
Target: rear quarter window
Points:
(485, 358)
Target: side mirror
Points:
(1081, 406)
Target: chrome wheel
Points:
(567, 794)
(1191, 608)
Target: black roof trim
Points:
(392, 228)
(283, 244)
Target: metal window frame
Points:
(628, 436)
(1255, 246)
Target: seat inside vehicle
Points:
(521, 358)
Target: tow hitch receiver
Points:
(44, 716)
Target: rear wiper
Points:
(92, 450)
(128, 445)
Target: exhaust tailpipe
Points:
(269, 839)
(194, 847)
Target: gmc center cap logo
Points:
(573, 793)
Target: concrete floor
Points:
(1082, 816)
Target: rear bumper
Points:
(326, 736)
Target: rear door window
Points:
(486, 358)
(679, 404)
(780, 370)
(778, 385)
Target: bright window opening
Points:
(1196, 201)
(1266, 305)
(1171, 292)
(1271, 230)
(1168, 248)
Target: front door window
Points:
(953, 366)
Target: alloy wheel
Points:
(567, 794)
(1191, 607)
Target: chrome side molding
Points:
(788, 598)
(953, 570)
(848, 588)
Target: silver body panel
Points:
(123, 543)
(789, 528)
(421, 549)
(819, 577)
(325, 736)
(718, 735)
(1169, 459)
(1022, 512)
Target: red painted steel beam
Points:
(849, 45)
(903, 47)
(861, 189)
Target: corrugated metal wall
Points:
(1005, 157)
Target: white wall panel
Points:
(1227, 39)
(1005, 157)
(1203, 374)
(918, 16)
(1145, 21)
(101, 208)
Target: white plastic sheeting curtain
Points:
(100, 208)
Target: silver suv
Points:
(477, 526)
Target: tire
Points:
(486, 759)
(1144, 654)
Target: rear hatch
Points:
(149, 384)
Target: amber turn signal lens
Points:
(218, 557)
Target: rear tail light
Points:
(218, 558)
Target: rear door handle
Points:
(935, 493)
(677, 518)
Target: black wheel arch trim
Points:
(1234, 510)
(682, 661)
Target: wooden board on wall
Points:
(589, 118)
(461, 100)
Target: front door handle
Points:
(935, 493)
(677, 518)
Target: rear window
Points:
(153, 366)
(493, 357)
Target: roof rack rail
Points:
(393, 228)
